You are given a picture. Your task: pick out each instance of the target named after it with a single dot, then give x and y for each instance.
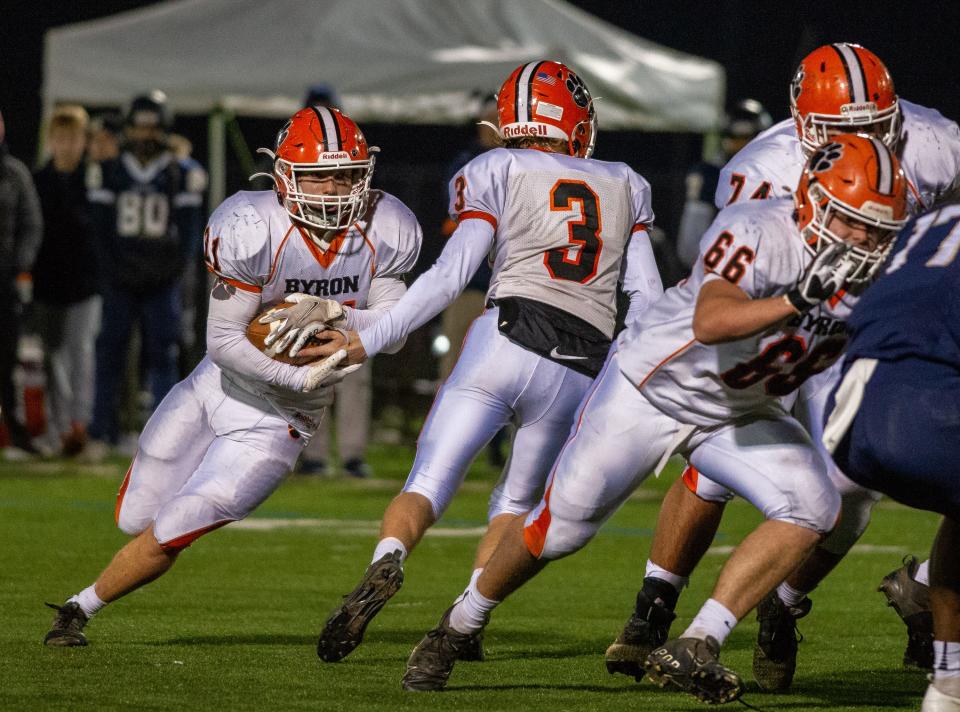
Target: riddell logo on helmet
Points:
(524, 130)
(867, 107)
(334, 156)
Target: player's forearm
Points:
(384, 293)
(229, 347)
(641, 278)
(434, 290)
(721, 319)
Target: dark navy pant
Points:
(158, 314)
(905, 438)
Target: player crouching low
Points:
(223, 439)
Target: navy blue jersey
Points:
(913, 311)
(146, 220)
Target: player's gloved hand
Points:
(306, 312)
(319, 372)
(823, 277)
(338, 375)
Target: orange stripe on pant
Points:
(535, 533)
(182, 542)
(123, 491)
(690, 476)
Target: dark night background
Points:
(759, 44)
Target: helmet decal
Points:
(856, 78)
(579, 90)
(796, 86)
(885, 169)
(282, 134)
(329, 128)
(825, 156)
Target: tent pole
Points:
(217, 157)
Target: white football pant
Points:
(496, 381)
(620, 438)
(857, 501)
(205, 459)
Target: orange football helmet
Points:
(853, 177)
(321, 140)
(547, 100)
(840, 88)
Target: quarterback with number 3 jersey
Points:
(224, 438)
(561, 230)
(702, 373)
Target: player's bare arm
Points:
(725, 312)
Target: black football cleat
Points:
(472, 652)
(431, 662)
(66, 631)
(911, 600)
(775, 654)
(693, 666)
(344, 629)
(646, 629)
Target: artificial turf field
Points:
(234, 624)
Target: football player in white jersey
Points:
(561, 230)
(223, 439)
(837, 88)
(702, 373)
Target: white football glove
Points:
(823, 277)
(338, 375)
(307, 312)
(319, 373)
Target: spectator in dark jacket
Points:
(20, 234)
(145, 209)
(67, 306)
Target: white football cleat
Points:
(936, 701)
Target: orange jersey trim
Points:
(325, 259)
(366, 240)
(236, 282)
(479, 214)
(665, 361)
(639, 227)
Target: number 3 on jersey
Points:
(577, 263)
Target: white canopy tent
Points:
(407, 61)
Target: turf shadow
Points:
(869, 689)
(244, 639)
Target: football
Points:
(257, 332)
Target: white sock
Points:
(473, 580)
(472, 611)
(388, 545)
(789, 595)
(88, 601)
(946, 667)
(713, 619)
(678, 582)
(922, 574)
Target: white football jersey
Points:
(770, 165)
(252, 244)
(562, 226)
(757, 246)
